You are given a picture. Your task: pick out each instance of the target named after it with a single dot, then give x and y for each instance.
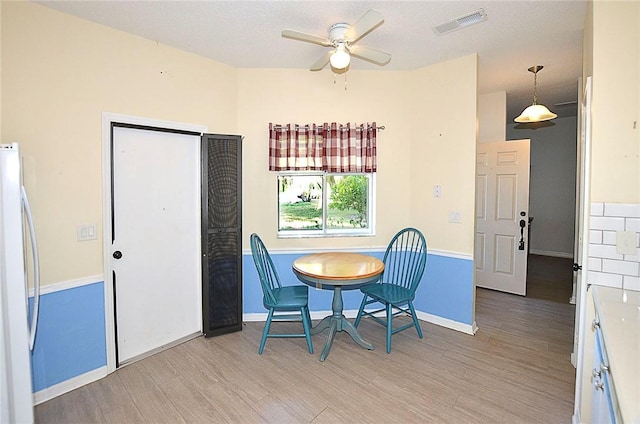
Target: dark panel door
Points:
(221, 234)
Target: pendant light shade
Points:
(340, 58)
(535, 112)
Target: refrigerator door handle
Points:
(36, 269)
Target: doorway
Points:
(502, 204)
(552, 195)
(152, 236)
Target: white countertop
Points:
(619, 315)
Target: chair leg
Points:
(267, 325)
(360, 311)
(415, 319)
(306, 323)
(389, 326)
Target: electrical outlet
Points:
(437, 191)
(626, 243)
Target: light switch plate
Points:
(455, 217)
(87, 232)
(626, 242)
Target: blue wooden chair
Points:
(294, 300)
(404, 263)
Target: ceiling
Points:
(247, 34)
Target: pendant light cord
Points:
(535, 87)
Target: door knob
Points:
(117, 254)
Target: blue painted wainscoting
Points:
(70, 340)
(445, 295)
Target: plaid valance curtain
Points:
(327, 147)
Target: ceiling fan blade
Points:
(309, 38)
(370, 55)
(322, 62)
(367, 23)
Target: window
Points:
(321, 203)
(325, 178)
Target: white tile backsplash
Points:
(605, 266)
(625, 210)
(607, 223)
(605, 279)
(597, 209)
(607, 251)
(632, 224)
(632, 258)
(608, 237)
(631, 283)
(621, 267)
(595, 264)
(595, 236)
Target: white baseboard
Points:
(69, 385)
(551, 253)
(70, 284)
(352, 313)
(448, 323)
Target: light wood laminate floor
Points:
(516, 369)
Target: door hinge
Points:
(576, 267)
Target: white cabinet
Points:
(604, 406)
(611, 383)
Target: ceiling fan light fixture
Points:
(535, 112)
(340, 58)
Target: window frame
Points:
(325, 232)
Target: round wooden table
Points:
(337, 271)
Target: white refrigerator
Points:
(17, 324)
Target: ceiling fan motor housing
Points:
(338, 33)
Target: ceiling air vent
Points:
(461, 22)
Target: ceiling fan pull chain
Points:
(345, 81)
(334, 78)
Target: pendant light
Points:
(535, 112)
(340, 58)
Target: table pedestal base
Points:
(338, 322)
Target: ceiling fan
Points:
(342, 40)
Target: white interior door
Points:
(502, 204)
(582, 254)
(579, 213)
(155, 255)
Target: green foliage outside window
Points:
(350, 193)
(323, 203)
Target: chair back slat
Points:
(269, 279)
(405, 259)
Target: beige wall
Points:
(443, 151)
(56, 87)
(492, 117)
(59, 74)
(303, 97)
(429, 138)
(615, 61)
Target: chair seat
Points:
(289, 297)
(388, 292)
